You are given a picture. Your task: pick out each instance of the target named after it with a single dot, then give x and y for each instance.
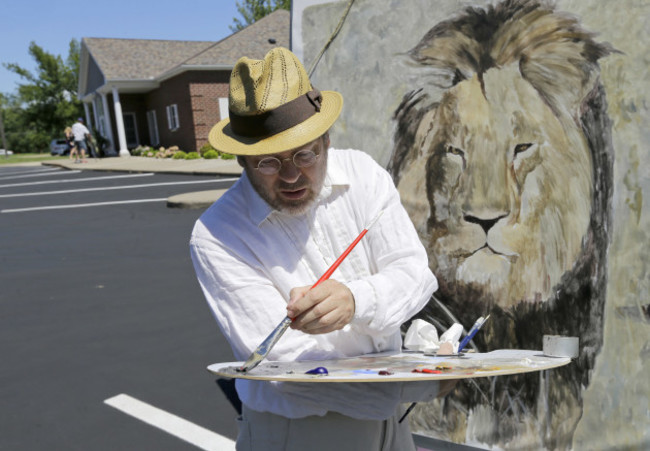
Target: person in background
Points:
(69, 141)
(260, 247)
(80, 133)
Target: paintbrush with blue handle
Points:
(475, 328)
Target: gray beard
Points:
(290, 208)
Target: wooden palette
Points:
(396, 367)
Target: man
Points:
(80, 133)
(261, 246)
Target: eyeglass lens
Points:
(302, 159)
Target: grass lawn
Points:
(28, 158)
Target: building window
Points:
(223, 108)
(152, 121)
(172, 117)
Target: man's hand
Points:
(325, 308)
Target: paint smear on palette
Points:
(426, 371)
(318, 371)
(234, 370)
(447, 369)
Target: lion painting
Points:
(507, 177)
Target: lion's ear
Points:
(453, 53)
(563, 73)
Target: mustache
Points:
(295, 186)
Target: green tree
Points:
(3, 138)
(46, 101)
(253, 10)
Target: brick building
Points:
(166, 93)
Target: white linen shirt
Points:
(248, 257)
(79, 131)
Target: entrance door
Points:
(130, 130)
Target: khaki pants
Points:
(263, 431)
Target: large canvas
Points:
(516, 133)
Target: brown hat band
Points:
(279, 119)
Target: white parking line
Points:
(85, 179)
(48, 172)
(106, 188)
(23, 170)
(95, 204)
(196, 435)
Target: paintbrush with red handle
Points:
(263, 349)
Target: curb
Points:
(192, 200)
(195, 200)
(162, 166)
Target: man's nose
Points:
(289, 172)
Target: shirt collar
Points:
(259, 210)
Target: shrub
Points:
(206, 148)
(209, 154)
(180, 155)
(192, 156)
(226, 156)
(167, 153)
(140, 151)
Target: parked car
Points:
(6, 152)
(59, 147)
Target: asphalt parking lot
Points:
(104, 329)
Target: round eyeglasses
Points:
(301, 159)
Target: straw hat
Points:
(273, 107)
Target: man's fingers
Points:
(326, 323)
(324, 317)
(297, 293)
(301, 299)
(327, 307)
(317, 313)
(297, 304)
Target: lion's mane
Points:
(560, 60)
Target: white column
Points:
(108, 128)
(119, 121)
(87, 111)
(96, 126)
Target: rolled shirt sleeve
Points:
(401, 283)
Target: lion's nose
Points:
(485, 223)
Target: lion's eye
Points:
(519, 148)
(455, 151)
